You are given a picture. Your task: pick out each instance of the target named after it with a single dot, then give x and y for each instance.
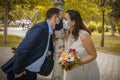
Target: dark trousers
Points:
(29, 76)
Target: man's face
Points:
(55, 20)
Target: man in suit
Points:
(32, 51)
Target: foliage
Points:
(99, 27)
(92, 26)
(1, 28)
(118, 30)
(88, 9)
(19, 9)
(115, 5)
(118, 27)
(39, 14)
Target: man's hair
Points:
(52, 11)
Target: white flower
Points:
(60, 59)
(70, 57)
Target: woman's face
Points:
(70, 22)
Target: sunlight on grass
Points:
(111, 43)
(13, 40)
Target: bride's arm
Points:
(89, 46)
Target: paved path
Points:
(5, 55)
(109, 65)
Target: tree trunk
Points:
(113, 27)
(102, 40)
(59, 47)
(6, 22)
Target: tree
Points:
(59, 43)
(114, 14)
(14, 8)
(6, 21)
(102, 5)
(1, 10)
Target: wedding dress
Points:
(89, 71)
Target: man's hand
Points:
(13, 49)
(20, 74)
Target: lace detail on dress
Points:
(69, 41)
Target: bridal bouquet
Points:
(69, 59)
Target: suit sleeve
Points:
(24, 48)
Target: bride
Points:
(79, 39)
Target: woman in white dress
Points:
(79, 39)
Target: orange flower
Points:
(63, 54)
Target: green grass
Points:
(13, 41)
(111, 43)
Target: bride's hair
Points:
(79, 25)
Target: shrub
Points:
(1, 27)
(119, 30)
(99, 27)
(92, 26)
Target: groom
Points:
(32, 51)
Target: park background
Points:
(102, 17)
